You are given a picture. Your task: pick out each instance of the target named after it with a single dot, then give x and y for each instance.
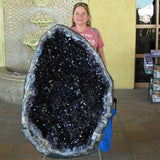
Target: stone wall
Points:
(11, 86)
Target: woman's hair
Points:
(85, 6)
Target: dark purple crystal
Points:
(69, 86)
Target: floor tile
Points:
(143, 147)
(133, 126)
(129, 115)
(3, 121)
(158, 144)
(149, 114)
(117, 148)
(152, 126)
(117, 157)
(155, 135)
(116, 126)
(28, 149)
(8, 149)
(5, 158)
(12, 137)
(137, 136)
(29, 158)
(147, 157)
(118, 137)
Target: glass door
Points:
(147, 36)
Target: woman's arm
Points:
(101, 53)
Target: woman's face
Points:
(80, 16)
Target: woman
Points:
(81, 23)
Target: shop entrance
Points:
(147, 36)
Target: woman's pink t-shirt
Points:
(91, 36)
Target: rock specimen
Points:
(68, 97)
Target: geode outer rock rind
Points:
(68, 96)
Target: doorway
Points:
(147, 36)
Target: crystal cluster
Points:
(68, 88)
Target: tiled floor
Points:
(136, 131)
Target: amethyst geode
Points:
(68, 95)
